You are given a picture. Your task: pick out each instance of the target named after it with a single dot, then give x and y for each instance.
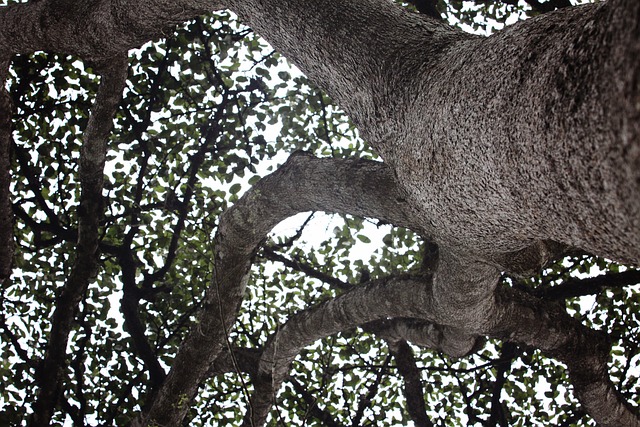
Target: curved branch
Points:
(406, 80)
(425, 334)
(303, 183)
(84, 270)
(524, 319)
(505, 313)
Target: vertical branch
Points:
(91, 175)
(413, 390)
(6, 216)
(498, 415)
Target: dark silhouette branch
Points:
(413, 390)
(532, 322)
(548, 6)
(372, 390)
(497, 415)
(427, 7)
(313, 409)
(297, 265)
(6, 214)
(92, 160)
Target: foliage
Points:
(206, 112)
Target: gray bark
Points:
(92, 29)
(361, 188)
(505, 150)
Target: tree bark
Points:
(92, 30)
(304, 183)
(454, 115)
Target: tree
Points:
(509, 164)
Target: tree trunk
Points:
(530, 134)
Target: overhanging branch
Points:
(378, 300)
(523, 319)
(303, 183)
(511, 315)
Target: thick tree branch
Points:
(92, 29)
(92, 160)
(374, 301)
(509, 315)
(424, 334)
(407, 81)
(303, 183)
(312, 34)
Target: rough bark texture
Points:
(94, 29)
(432, 101)
(361, 188)
(505, 150)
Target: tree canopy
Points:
(148, 149)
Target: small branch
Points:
(129, 309)
(92, 160)
(413, 390)
(312, 403)
(590, 286)
(509, 352)
(365, 401)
